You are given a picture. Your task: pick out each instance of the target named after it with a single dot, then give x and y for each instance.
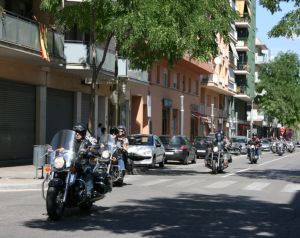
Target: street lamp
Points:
(182, 113)
(212, 118)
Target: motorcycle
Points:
(280, 148)
(217, 159)
(252, 155)
(273, 146)
(66, 187)
(290, 146)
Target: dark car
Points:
(201, 143)
(178, 148)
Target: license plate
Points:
(169, 153)
(201, 151)
(47, 168)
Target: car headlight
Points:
(105, 154)
(215, 149)
(147, 153)
(59, 162)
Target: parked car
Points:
(146, 150)
(265, 144)
(178, 148)
(241, 142)
(201, 143)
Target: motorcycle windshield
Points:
(64, 141)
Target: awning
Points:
(200, 116)
(235, 53)
(240, 7)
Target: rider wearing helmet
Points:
(81, 148)
(254, 141)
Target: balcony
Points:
(242, 69)
(78, 58)
(243, 22)
(22, 35)
(261, 59)
(232, 60)
(241, 93)
(242, 45)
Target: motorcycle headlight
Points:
(215, 149)
(147, 153)
(105, 154)
(59, 162)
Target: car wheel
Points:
(194, 160)
(153, 162)
(185, 161)
(162, 163)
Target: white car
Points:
(146, 150)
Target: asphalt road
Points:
(246, 200)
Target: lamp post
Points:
(212, 118)
(182, 114)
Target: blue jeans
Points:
(257, 152)
(121, 164)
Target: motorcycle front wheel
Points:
(214, 167)
(54, 203)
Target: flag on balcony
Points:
(43, 42)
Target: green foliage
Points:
(149, 30)
(289, 25)
(280, 79)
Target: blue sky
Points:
(264, 23)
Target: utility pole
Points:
(182, 113)
(212, 118)
(251, 118)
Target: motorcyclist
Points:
(123, 143)
(81, 148)
(254, 141)
(112, 144)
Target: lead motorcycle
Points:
(66, 187)
(253, 157)
(218, 158)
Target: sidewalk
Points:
(19, 178)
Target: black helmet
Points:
(80, 128)
(219, 136)
(121, 127)
(114, 131)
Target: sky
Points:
(264, 23)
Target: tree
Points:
(279, 87)
(147, 30)
(289, 25)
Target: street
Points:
(246, 200)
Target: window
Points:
(178, 81)
(158, 74)
(197, 87)
(183, 84)
(208, 102)
(165, 78)
(175, 80)
(190, 85)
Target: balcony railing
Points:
(241, 89)
(243, 66)
(24, 33)
(261, 59)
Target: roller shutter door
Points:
(59, 112)
(17, 123)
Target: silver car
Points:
(146, 150)
(241, 141)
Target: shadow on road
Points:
(186, 215)
(292, 176)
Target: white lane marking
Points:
(256, 186)
(155, 182)
(184, 183)
(221, 184)
(242, 170)
(291, 188)
(20, 190)
(268, 162)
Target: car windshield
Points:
(175, 140)
(239, 140)
(140, 140)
